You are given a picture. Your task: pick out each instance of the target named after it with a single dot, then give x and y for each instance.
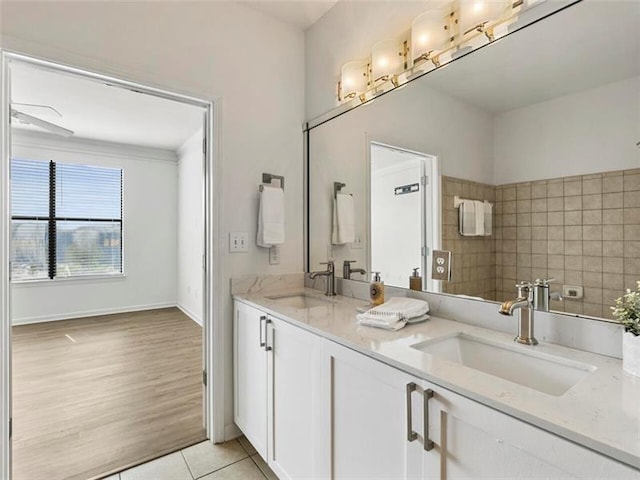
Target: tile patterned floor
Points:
(234, 460)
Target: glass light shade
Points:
(353, 79)
(475, 12)
(386, 58)
(428, 33)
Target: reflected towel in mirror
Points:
(344, 229)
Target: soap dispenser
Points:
(376, 290)
(415, 280)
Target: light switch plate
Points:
(441, 265)
(238, 242)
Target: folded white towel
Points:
(467, 220)
(479, 217)
(271, 217)
(488, 218)
(394, 313)
(344, 229)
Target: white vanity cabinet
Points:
(315, 409)
(277, 376)
(376, 415)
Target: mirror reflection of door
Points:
(403, 214)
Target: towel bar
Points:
(267, 178)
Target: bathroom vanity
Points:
(321, 397)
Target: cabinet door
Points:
(476, 441)
(250, 375)
(294, 400)
(369, 418)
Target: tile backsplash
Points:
(582, 231)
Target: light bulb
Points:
(476, 12)
(387, 58)
(353, 79)
(428, 33)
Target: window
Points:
(66, 220)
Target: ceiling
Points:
(585, 46)
(96, 111)
(299, 13)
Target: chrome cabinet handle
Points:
(263, 343)
(267, 347)
(411, 435)
(427, 444)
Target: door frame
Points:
(431, 207)
(212, 261)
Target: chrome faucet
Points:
(542, 296)
(524, 304)
(347, 270)
(330, 280)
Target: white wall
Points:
(190, 227)
(254, 63)
(587, 132)
(149, 228)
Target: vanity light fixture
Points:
(429, 35)
(388, 59)
(354, 79)
(437, 36)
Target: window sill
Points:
(41, 282)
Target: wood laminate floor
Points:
(96, 395)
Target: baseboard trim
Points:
(189, 314)
(90, 313)
(231, 431)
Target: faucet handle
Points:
(544, 282)
(347, 262)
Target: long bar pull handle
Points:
(411, 435)
(428, 444)
(267, 347)
(263, 343)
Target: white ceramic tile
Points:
(242, 470)
(206, 457)
(264, 468)
(246, 444)
(169, 467)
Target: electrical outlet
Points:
(274, 255)
(575, 292)
(441, 265)
(238, 242)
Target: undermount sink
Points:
(537, 370)
(300, 300)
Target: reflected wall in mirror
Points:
(542, 125)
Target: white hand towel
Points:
(344, 229)
(488, 218)
(271, 217)
(479, 217)
(467, 220)
(394, 313)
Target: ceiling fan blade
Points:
(50, 127)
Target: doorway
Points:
(119, 250)
(404, 213)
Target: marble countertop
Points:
(601, 412)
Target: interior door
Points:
(5, 280)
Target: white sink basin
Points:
(522, 365)
(300, 300)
